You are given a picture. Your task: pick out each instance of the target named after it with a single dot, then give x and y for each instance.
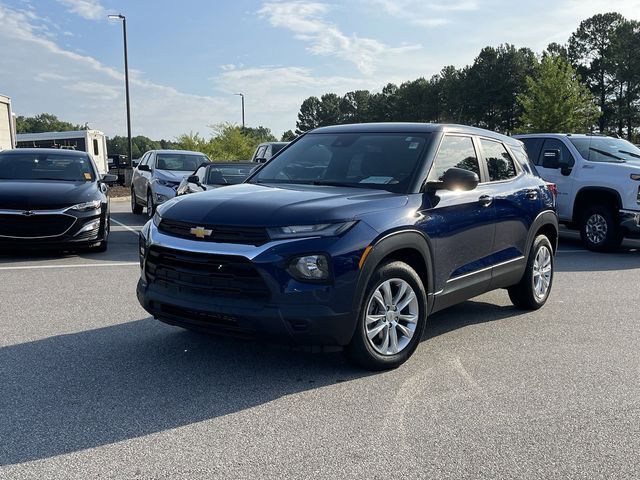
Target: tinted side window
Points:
(499, 162)
(566, 159)
(533, 147)
(455, 151)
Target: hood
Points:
(44, 195)
(172, 175)
(269, 206)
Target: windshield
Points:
(46, 166)
(606, 149)
(228, 175)
(182, 162)
(385, 161)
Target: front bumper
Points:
(630, 223)
(297, 324)
(285, 310)
(85, 229)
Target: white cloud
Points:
(88, 9)
(81, 89)
(424, 13)
(307, 21)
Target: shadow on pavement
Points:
(71, 392)
(575, 258)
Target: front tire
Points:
(392, 318)
(534, 288)
(599, 229)
(150, 206)
(135, 208)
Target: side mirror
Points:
(144, 168)
(193, 179)
(109, 179)
(459, 179)
(135, 162)
(551, 159)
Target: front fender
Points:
(386, 246)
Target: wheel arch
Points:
(409, 246)
(546, 223)
(587, 196)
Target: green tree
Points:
(309, 115)
(288, 136)
(44, 122)
(259, 134)
(493, 82)
(556, 101)
(625, 66)
(355, 107)
(590, 53)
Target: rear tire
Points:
(392, 318)
(534, 288)
(135, 208)
(599, 229)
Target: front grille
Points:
(205, 274)
(34, 226)
(220, 234)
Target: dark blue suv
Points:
(352, 236)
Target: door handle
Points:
(485, 200)
(532, 194)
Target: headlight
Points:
(635, 176)
(157, 218)
(318, 230)
(87, 206)
(310, 267)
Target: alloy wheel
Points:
(596, 229)
(391, 316)
(542, 272)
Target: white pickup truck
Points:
(598, 180)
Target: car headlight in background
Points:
(318, 230)
(310, 268)
(86, 206)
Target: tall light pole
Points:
(241, 95)
(126, 81)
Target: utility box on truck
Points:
(7, 124)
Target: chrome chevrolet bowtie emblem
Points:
(201, 232)
(27, 213)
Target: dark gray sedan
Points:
(214, 175)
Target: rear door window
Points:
(533, 147)
(499, 163)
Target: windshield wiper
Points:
(606, 154)
(631, 154)
(335, 184)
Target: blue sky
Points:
(188, 57)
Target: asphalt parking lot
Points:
(91, 387)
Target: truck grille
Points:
(204, 274)
(34, 226)
(220, 234)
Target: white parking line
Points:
(79, 265)
(131, 229)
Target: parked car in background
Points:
(52, 198)
(91, 141)
(352, 236)
(158, 174)
(211, 175)
(265, 151)
(598, 180)
(118, 164)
